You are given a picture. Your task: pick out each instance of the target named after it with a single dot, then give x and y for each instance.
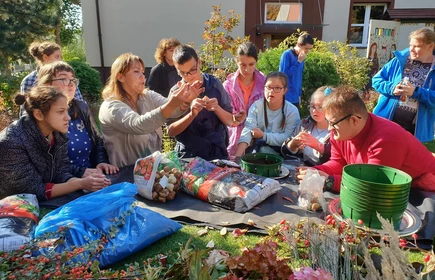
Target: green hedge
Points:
(90, 80)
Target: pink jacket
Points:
(231, 85)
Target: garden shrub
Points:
(319, 71)
(219, 43)
(74, 51)
(90, 80)
(9, 86)
(329, 63)
(268, 61)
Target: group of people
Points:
(56, 148)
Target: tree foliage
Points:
(21, 22)
(70, 21)
(218, 40)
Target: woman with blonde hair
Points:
(131, 116)
(407, 86)
(311, 141)
(86, 150)
(164, 76)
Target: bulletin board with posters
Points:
(382, 42)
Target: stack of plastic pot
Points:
(367, 189)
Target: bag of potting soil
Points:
(18, 216)
(229, 188)
(158, 176)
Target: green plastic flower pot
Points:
(262, 164)
(370, 218)
(377, 176)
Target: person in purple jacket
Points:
(245, 86)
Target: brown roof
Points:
(411, 14)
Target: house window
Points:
(360, 21)
(283, 13)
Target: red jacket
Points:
(386, 143)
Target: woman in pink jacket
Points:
(244, 87)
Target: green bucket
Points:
(262, 164)
(368, 188)
(377, 176)
(369, 218)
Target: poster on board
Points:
(382, 42)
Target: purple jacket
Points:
(231, 85)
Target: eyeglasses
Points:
(68, 81)
(191, 72)
(312, 107)
(275, 89)
(340, 120)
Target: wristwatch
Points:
(329, 183)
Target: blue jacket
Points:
(293, 69)
(388, 77)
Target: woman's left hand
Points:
(257, 133)
(107, 168)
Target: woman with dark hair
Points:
(86, 150)
(34, 149)
(270, 120)
(245, 86)
(164, 76)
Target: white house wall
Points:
(414, 4)
(138, 25)
(336, 18)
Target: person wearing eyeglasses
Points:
(86, 151)
(132, 116)
(43, 53)
(358, 136)
(312, 140)
(270, 120)
(244, 87)
(292, 63)
(202, 130)
(407, 86)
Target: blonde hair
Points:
(425, 34)
(113, 88)
(165, 44)
(38, 49)
(49, 71)
(322, 91)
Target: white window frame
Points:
(366, 23)
(280, 3)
